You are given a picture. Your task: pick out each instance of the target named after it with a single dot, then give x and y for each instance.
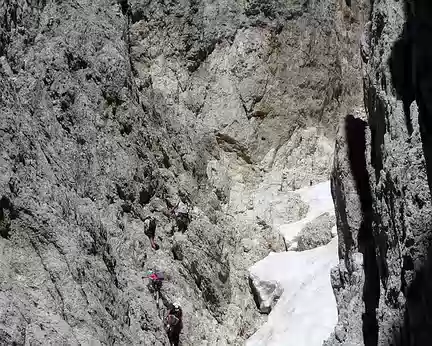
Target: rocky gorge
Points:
(114, 110)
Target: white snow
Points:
(306, 312)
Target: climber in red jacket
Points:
(156, 278)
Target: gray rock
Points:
(316, 233)
(266, 293)
(381, 187)
(111, 111)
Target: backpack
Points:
(182, 209)
(150, 226)
(155, 275)
(172, 321)
(150, 223)
(160, 275)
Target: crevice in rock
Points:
(400, 63)
(255, 294)
(7, 213)
(377, 114)
(340, 204)
(124, 5)
(355, 130)
(232, 145)
(110, 263)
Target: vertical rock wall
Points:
(381, 185)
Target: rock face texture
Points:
(316, 233)
(381, 186)
(112, 111)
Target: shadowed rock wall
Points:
(386, 299)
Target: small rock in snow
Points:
(266, 293)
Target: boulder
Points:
(266, 293)
(316, 232)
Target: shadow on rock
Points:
(416, 327)
(411, 68)
(355, 130)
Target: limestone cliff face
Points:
(111, 111)
(248, 73)
(381, 185)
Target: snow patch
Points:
(296, 285)
(306, 313)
